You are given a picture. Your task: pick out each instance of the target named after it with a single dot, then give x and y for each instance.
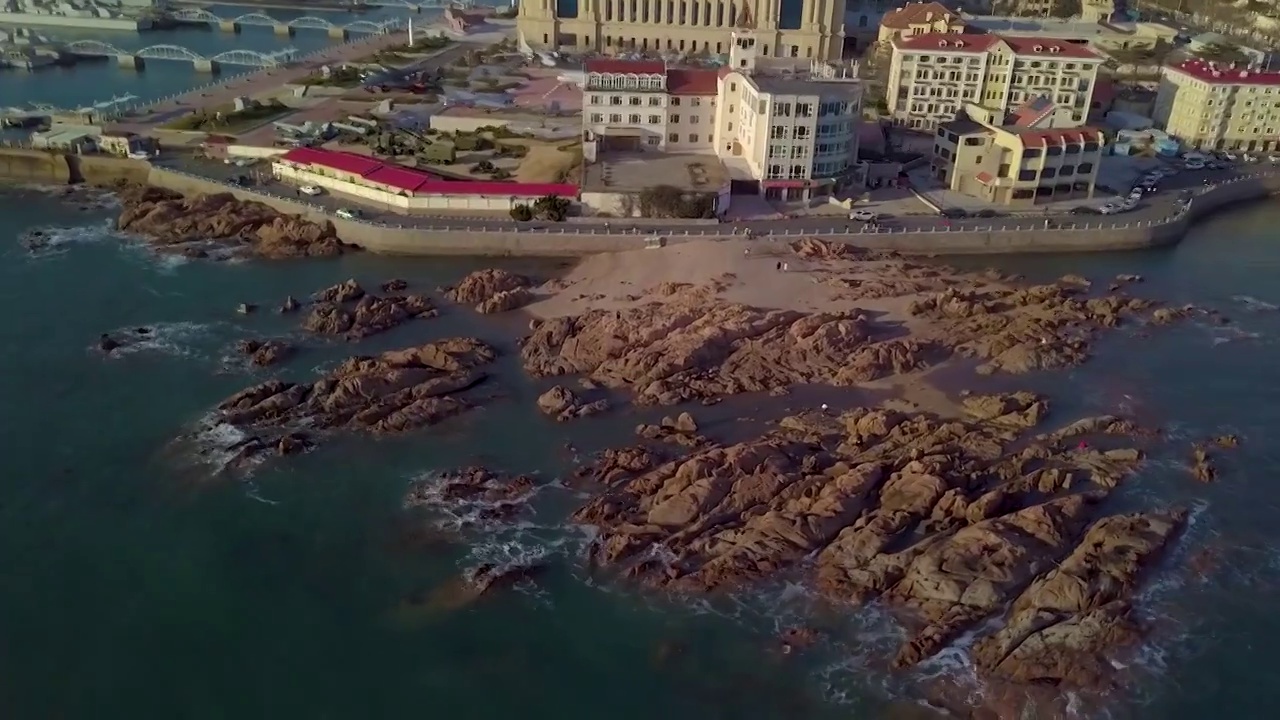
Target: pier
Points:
(137, 59)
(285, 28)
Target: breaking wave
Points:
(1253, 303)
(176, 339)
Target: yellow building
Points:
(919, 18)
(809, 29)
(1218, 107)
(932, 76)
(1016, 160)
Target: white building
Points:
(932, 76)
(787, 131)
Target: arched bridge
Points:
(252, 58)
(282, 27)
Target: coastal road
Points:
(1154, 207)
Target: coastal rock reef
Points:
(347, 310)
(199, 225)
(492, 290)
(686, 342)
(953, 523)
(392, 392)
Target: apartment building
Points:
(1210, 106)
(807, 29)
(932, 76)
(1016, 160)
(784, 129)
(919, 18)
(635, 105)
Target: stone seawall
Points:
(1091, 234)
(40, 166)
(1094, 234)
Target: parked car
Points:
(1083, 210)
(1109, 209)
(862, 215)
(954, 214)
(310, 190)
(988, 213)
(348, 214)
(1195, 165)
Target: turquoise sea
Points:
(135, 583)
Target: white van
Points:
(346, 214)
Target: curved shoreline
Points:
(576, 239)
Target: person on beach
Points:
(778, 266)
(785, 267)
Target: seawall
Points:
(1086, 234)
(1089, 235)
(39, 166)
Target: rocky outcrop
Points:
(680, 430)
(1063, 627)
(690, 344)
(694, 347)
(472, 494)
(346, 310)
(264, 353)
(561, 403)
(200, 224)
(393, 392)
(945, 521)
(492, 291)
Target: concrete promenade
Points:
(1001, 236)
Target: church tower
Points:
(743, 51)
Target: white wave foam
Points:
(217, 445)
(55, 240)
(179, 339)
(1253, 303)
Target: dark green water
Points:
(134, 584)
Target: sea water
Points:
(136, 581)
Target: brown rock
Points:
(395, 285)
(492, 290)
(291, 304)
(343, 292)
(561, 402)
(1202, 466)
(265, 352)
(369, 316)
(393, 392)
(174, 223)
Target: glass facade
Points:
(567, 9)
(790, 14)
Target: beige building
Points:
(919, 18)
(784, 129)
(1016, 160)
(932, 76)
(1216, 107)
(807, 29)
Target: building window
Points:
(1085, 168)
(633, 100)
(653, 140)
(777, 132)
(973, 141)
(693, 138)
(673, 138)
(597, 118)
(693, 119)
(655, 101)
(1030, 153)
(695, 102)
(675, 101)
(1090, 147)
(804, 110)
(1053, 151)
(615, 118)
(1027, 175)
(1048, 173)
(1023, 194)
(615, 99)
(655, 119)
(733, 87)
(675, 118)
(633, 119)
(595, 99)
(797, 172)
(775, 171)
(1066, 170)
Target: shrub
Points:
(667, 201)
(521, 213)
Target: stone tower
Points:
(743, 50)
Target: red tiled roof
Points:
(1032, 111)
(418, 182)
(948, 42)
(985, 178)
(1049, 47)
(1042, 138)
(682, 81)
(400, 178)
(916, 13)
(636, 67)
(333, 159)
(1224, 74)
